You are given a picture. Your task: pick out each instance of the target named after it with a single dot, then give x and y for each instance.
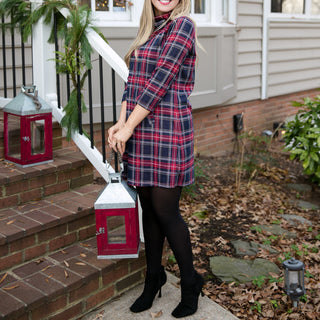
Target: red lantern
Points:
(117, 220)
(28, 129)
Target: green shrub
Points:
(302, 137)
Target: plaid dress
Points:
(161, 78)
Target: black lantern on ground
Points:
(28, 129)
(279, 130)
(294, 279)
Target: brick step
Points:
(40, 227)
(66, 284)
(69, 169)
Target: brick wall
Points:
(214, 126)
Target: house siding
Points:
(249, 55)
(294, 51)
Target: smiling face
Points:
(164, 6)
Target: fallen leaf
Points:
(66, 263)
(156, 315)
(11, 221)
(80, 263)
(63, 252)
(66, 274)
(85, 245)
(83, 255)
(4, 277)
(40, 260)
(99, 316)
(10, 288)
(47, 267)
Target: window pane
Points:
(199, 6)
(83, 2)
(102, 5)
(288, 6)
(315, 8)
(119, 5)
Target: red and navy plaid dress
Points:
(161, 78)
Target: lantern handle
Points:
(116, 156)
(34, 97)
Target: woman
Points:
(155, 136)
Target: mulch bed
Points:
(220, 208)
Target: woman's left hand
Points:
(120, 138)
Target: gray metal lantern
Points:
(28, 129)
(117, 220)
(294, 279)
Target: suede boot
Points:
(153, 284)
(189, 298)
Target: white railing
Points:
(43, 76)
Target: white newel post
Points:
(44, 69)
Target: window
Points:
(111, 6)
(127, 12)
(296, 7)
(115, 10)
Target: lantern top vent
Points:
(116, 195)
(27, 103)
(293, 265)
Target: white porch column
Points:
(44, 70)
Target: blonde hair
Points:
(147, 23)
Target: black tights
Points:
(161, 218)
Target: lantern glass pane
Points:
(37, 137)
(14, 139)
(293, 277)
(116, 229)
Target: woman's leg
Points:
(165, 202)
(154, 239)
(153, 235)
(166, 205)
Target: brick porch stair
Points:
(48, 256)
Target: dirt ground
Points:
(231, 196)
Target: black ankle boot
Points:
(189, 298)
(153, 284)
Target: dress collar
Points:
(159, 20)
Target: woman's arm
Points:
(179, 43)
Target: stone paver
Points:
(241, 270)
(277, 230)
(305, 205)
(300, 187)
(245, 248)
(296, 220)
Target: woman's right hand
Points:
(113, 130)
